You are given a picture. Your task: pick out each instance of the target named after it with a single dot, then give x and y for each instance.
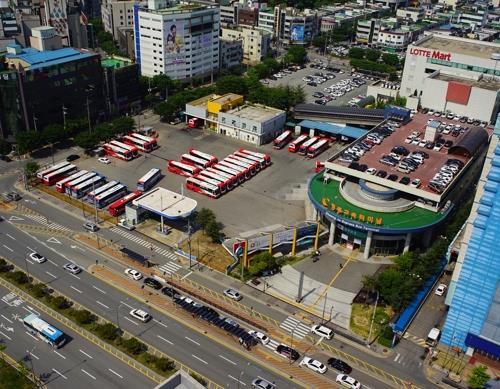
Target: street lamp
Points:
(291, 345)
(26, 264)
(35, 119)
(64, 112)
(373, 318)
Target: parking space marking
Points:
(62, 375)
(90, 375)
(115, 373)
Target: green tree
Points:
(165, 109)
(133, 346)
(123, 125)
(390, 59)
(5, 147)
(478, 378)
(60, 302)
(204, 217)
(54, 133)
(82, 316)
(164, 364)
(164, 84)
(231, 84)
(356, 53)
(296, 54)
(30, 169)
(107, 331)
(319, 41)
(28, 141)
(86, 141)
(214, 230)
(39, 290)
(18, 277)
(372, 55)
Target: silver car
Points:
(72, 268)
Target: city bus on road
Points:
(317, 148)
(243, 171)
(182, 168)
(147, 181)
(151, 141)
(140, 144)
(308, 143)
(93, 194)
(261, 161)
(51, 178)
(44, 331)
(203, 187)
(60, 185)
(195, 161)
(206, 176)
(252, 167)
(68, 186)
(118, 207)
(42, 173)
(132, 149)
(202, 155)
(282, 140)
(85, 187)
(110, 195)
(228, 171)
(294, 146)
(231, 179)
(117, 152)
(263, 156)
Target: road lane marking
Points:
(7, 336)
(86, 372)
(8, 248)
(33, 355)
(100, 290)
(10, 236)
(191, 340)
(71, 274)
(227, 360)
(10, 321)
(187, 275)
(199, 359)
(133, 322)
(62, 356)
(237, 380)
(160, 323)
(34, 337)
(166, 340)
(397, 357)
(50, 274)
(30, 249)
(84, 353)
(104, 305)
(114, 372)
(54, 370)
(52, 262)
(126, 305)
(78, 290)
(30, 261)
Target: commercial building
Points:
(472, 323)
(179, 39)
(229, 115)
(117, 14)
(231, 53)
(8, 23)
(238, 13)
(288, 24)
(368, 206)
(255, 42)
(338, 17)
(453, 74)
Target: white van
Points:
(433, 337)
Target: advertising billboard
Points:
(175, 52)
(297, 33)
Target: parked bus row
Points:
(129, 146)
(303, 144)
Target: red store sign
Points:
(430, 54)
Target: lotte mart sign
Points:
(436, 54)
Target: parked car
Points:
(170, 292)
(72, 157)
(440, 289)
(104, 160)
(348, 381)
(416, 182)
(287, 352)
(134, 274)
(322, 331)
(314, 365)
(151, 282)
(232, 294)
(339, 365)
(262, 338)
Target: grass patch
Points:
(361, 317)
(11, 378)
(450, 362)
(207, 252)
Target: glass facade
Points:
(458, 65)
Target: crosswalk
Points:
(144, 243)
(299, 329)
(272, 344)
(415, 339)
(47, 223)
(170, 268)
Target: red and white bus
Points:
(61, 184)
(85, 187)
(140, 144)
(110, 195)
(118, 207)
(117, 152)
(199, 154)
(308, 143)
(68, 186)
(195, 161)
(295, 145)
(221, 185)
(229, 171)
(151, 141)
(132, 149)
(182, 168)
(42, 173)
(218, 178)
(263, 156)
(282, 140)
(94, 193)
(243, 171)
(147, 181)
(244, 158)
(261, 161)
(51, 178)
(203, 187)
(317, 148)
(243, 163)
(231, 178)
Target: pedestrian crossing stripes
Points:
(144, 243)
(47, 223)
(292, 325)
(272, 344)
(415, 339)
(170, 268)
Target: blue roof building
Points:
(31, 58)
(473, 321)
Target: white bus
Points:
(145, 138)
(228, 171)
(53, 168)
(243, 171)
(132, 149)
(261, 161)
(221, 184)
(182, 168)
(51, 178)
(93, 194)
(110, 195)
(231, 178)
(61, 184)
(195, 161)
(239, 162)
(147, 181)
(68, 187)
(202, 155)
(265, 157)
(203, 187)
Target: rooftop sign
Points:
(436, 54)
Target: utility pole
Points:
(64, 112)
(291, 345)
(373, 318)
(189, 242)
(324, 307)
(34, 122)
(88, 114)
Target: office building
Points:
(255, 42)
(231, 53)
(288, 24)
(117, 14)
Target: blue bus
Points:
(149, 179)
(44, 331)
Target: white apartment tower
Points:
(177, 38)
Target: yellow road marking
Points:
(331, 282)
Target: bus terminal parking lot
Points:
(257, 203)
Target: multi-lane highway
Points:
(77, 364)
(204, 355)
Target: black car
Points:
(363, 167)
(312, 83)
(404, 180)
(152, 283)
(448, 144)
(72, 157)
(401, 150)
(354, 165)
(288, 352)
(168, 291)
(340, 365)
(393, 177)
(381, 174)
(430, 145)
(270, 272)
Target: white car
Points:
(416, 182)
(260, 383)
(72, 268)
(104, 160)
(262, 338)
(37, 258)
(371, 170)
(347, 381)
(440, 289)
(141, 315)
(134, 274)
(232, 294)
(322, 331)
(314, 365)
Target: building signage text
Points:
(353, 215)
(436, 54)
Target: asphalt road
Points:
(197, 351)
(78, 364)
